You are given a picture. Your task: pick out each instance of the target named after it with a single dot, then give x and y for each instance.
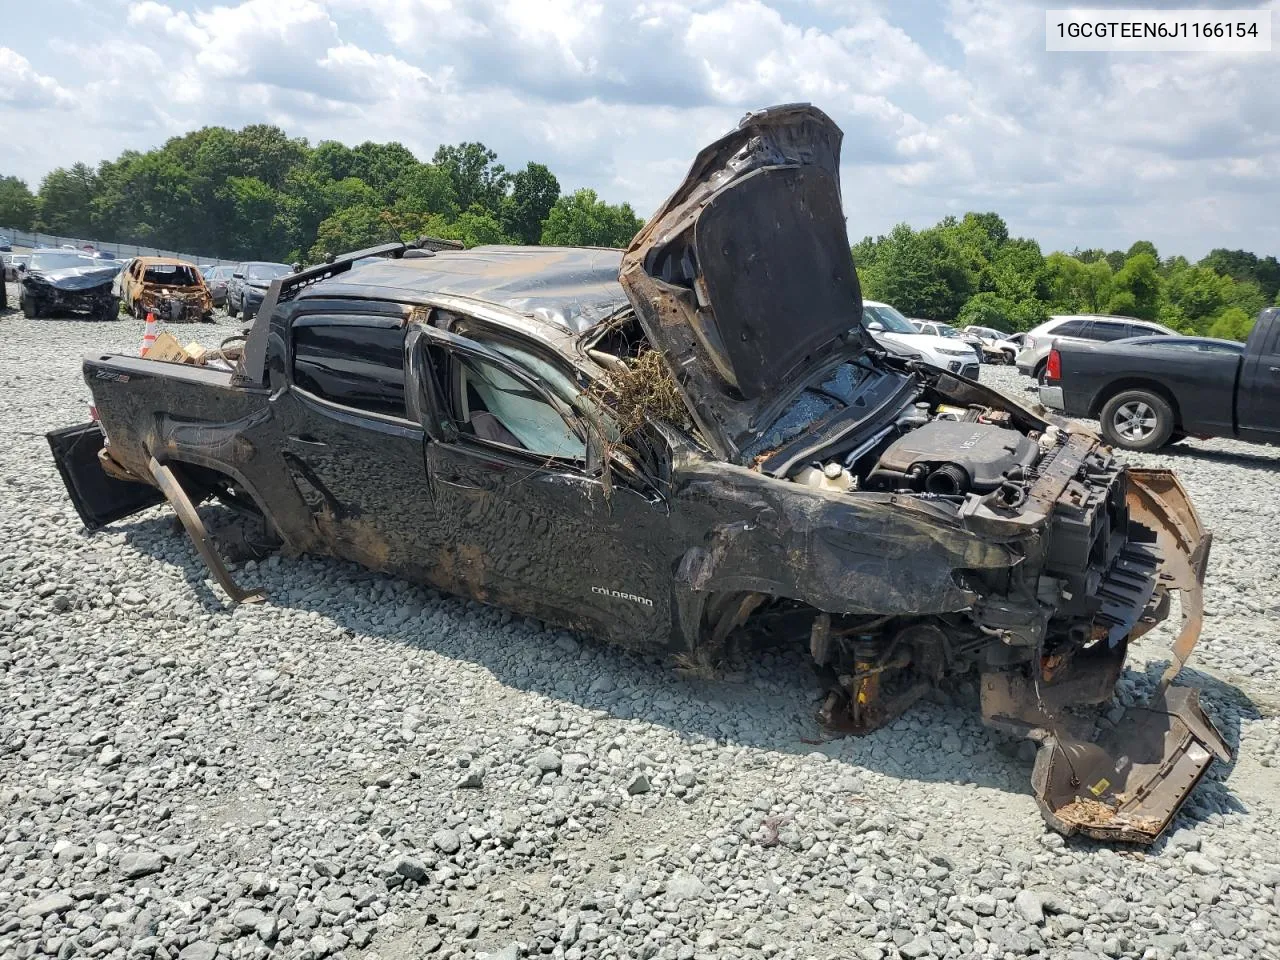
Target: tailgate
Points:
(98, 498)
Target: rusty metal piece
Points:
(1129, 784)
(1157, 499)
(186, 511)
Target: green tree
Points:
(476, 175)
(987, 310)
(582, 219)
(1243, 265)
(920, 273)
(1198, 293)
(476, 227)
(1232, 324)
(1137, 288)
(65, 202)
(427, 189)
(1075, 286)
(354, 228)
(534, 191)
(1143, 246)
(17, 204)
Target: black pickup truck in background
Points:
(1151, 391)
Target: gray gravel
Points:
(361, 767)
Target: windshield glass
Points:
(945, 330)
(887, 317)
(59, 261)
(841, 389)
(268, 271)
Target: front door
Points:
(517, 478)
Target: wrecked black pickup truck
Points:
(691, 446)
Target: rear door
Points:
(1258, 398)
(352, 449)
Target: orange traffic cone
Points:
(149, 335)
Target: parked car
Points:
(1083, 327)
(59, 281)
(936, 328)
(171, 289)
(6, 245)
(1153, 390)
(248, 284)
(217, 278)
(895, 332)
(14, 264)
(688, 441)
(996, 345)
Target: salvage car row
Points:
(60, 281)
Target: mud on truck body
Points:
(689, 446)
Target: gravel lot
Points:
(365, 768)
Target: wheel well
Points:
(1134, 383)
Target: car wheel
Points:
(1137, 420)
(1009, 357)
(1038, 373)
(30, 309)
(244, 309)
(231, 309)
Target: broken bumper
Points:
(1128, 784)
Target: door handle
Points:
(307, 440)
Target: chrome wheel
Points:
(1135, 420)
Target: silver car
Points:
(1039, 340)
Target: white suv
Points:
(895, 333)
(1039, 340)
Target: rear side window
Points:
(1106, 332)
(1072, 328)
(1139, 330)
(353, 361)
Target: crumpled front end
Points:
(91, 295)
(1126, 782)
(175, 305)
(1129, 783)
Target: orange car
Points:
(173, 290)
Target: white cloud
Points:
(22, 87)
(947, 105)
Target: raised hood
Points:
(743, 279)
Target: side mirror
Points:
(875, 326)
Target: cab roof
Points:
(573, 288)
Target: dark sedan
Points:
(248, 285)
(217, 278)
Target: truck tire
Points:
(1137, 420)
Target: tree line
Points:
(257, 193)
(970, 271)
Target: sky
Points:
(946, 105)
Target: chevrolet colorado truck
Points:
(687, 446)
